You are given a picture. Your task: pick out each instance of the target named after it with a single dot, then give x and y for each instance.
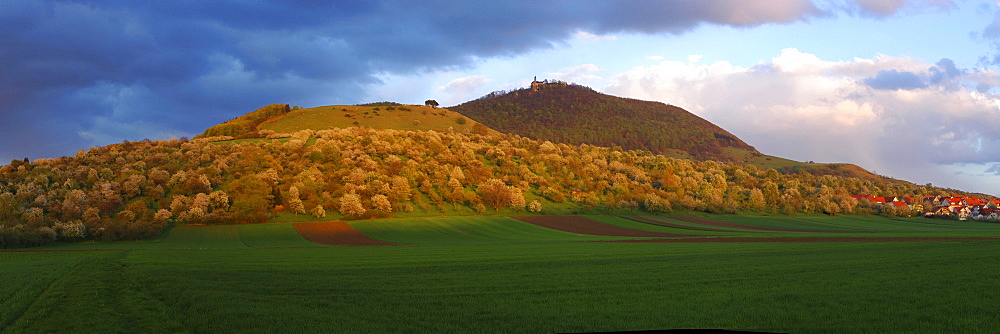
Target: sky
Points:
(904, 88)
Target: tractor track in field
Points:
(817, 239)
(667, 224)
(716, 223)
(582, 225)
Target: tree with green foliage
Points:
(294, 202)
(756, 200)
(251, 198)
(497, 194)
(381, 204)
(319, 212)
(350, 205)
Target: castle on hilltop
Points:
(536, 85)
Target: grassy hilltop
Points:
(281, 118)
(399, 117)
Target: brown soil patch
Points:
(657, 222)
(581, 225)
(336, 233)
(712, 222)
(846, 239)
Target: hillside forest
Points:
(568, 113)
(135, 190)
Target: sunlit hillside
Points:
(385, 116)
(283, 119)
(576, 115)
(135, 190)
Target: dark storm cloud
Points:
(81, 73)
(895, 80)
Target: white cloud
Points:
(805, 108)
(594, 37)
(462, 88)
(577, 74)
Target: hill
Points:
(579, 115)
(280, 118)
(136, 190)
(378, 116)
(574, 114)
(788, 166)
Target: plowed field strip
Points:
(661, 223)
(336, 233)
(712, 222)
(581, 225)
(845, 239)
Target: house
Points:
(964, 213)
(943, 211)
(986, 213)
(962, 207)
(536, 85)
(936, 200)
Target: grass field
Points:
(410, 117)
(485, 274)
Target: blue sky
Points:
(907, 89)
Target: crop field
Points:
(497, 274)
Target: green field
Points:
(464, 230)
(483, 274)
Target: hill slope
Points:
(577, 115)
(399, 117)
(135, 190)
(280, 118)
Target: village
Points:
(954, 206)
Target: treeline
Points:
(576, 114)
(136, 189)
(241, 126)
